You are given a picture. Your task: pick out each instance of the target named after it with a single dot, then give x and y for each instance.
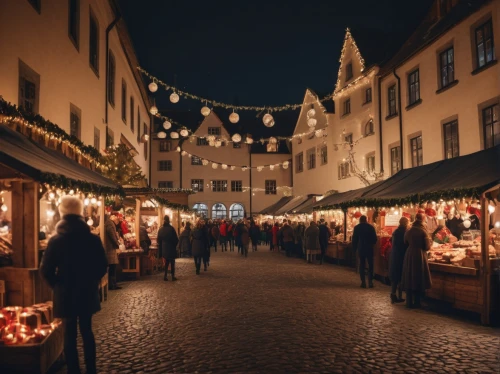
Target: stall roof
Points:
(307, 206)
(292, 204)
(272, 209)
(480, 170)
(33, 160)
(343, 197)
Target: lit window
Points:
(451, 148)
(270, 186)
(197, 185)
(219, 186)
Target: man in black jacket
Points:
(73, 265)
(167, 246)
(324, 236)
(363, 239)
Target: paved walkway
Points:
(269, 313)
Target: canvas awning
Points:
(291, 205)
(306, 207)
(37, 161)
(340, 198)
(272, 209)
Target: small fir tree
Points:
(122, 168)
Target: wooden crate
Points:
(32, 358)
(24, 286)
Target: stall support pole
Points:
(485, 261)
(345, 225)
(102, 212)
(137, 223)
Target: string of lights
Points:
(348, 38)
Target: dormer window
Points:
(348, 72)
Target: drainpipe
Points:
(381, 151)
(108, 30)
(250, 168)
(400, 119)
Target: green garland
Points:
(146, 190)
(455, 193)
(50, 128)
(168, 204)
(62, 182)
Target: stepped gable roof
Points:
(430, 29)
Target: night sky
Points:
(259, 52)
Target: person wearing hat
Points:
(73, 265)
(167, 246)
(112, 244)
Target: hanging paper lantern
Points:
(153, 87)
(271, 167)
(153, 110)
(259, 168)
(93, 200)
(205, 111)
(174, 98)
(204, 162)
(167, 125)
(218, 143)
(178, 149)
(311, 113)
(214, 165)
(249, 140)
(311, 122)
(236, 138)
(319, 133)
(268, 120)
(244, 168)
(211, 143)
(234, 117)
(162, 135)
(233, 167)
(224, 166)
(285, 164)
(174, 135)
(273, 140)
(211, 138)
(184, 132)
(183, 153)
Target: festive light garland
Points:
(145, 190)
(269, 109)
(168, 204)
(348, 38)
(60, 181)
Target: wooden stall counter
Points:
(130, 262)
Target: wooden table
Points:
(130, 262)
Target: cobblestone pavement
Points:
(268, 313)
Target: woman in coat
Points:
(397, 258)
(254, 235)
(184, 245)
(311, 237)
(167, 246)
(416, 275)
(73, 266)
(111, 244)
(244, 235)
(199, 246)
(274, 242)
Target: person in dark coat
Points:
(311, 237)
(324, 236)
(254, 233)
(73, 265)
(244, 235)
(111, 243)
(364, 238)
(144, 239)
(396, 259)
(416, 275)
(199, 245)
(288, 238)
(215, 235)
(184, 245)
(167, 245)
(230, 236)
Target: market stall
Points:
(270, 213)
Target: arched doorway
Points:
(219, 211)
(236, 212)
(201, 210)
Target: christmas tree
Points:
(122, 168)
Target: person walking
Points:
(275, 241)
(244, 238)
(299, 239)
(254, 233)
(230, 236)
(396, 259)
(144, 239)
(199, 245)
(112, 244)
(223, 236)
(311, 237)
(215, 233)
(364, 238)
(324, 236)
(416, 275)
(237, 235)
(184, 246)
(73, 265)
(288, 238)
(167, 245)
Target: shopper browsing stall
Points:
(363, 239)
(167, 245)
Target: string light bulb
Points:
(224, 166)
(218, 143)
(204, 162)
(319, 133)
(215, 165)
(268, 120)
(174, 135)
(153, 87)
(234, 117)
(271, 167)
(491, 209)
(286, 164)
(311, 113)
(236, 138)
(232, 167)
(205, 111)
(161, 135)
(249, 139)
(93, 201)
(167, 125)
(311, 122)
(183, 153)
(184, 133)
(174, 98)
(153, 110)
(4, 208)
(90, 222)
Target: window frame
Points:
(27, 74)
(492, 124)
(368, 97)
(392, 108)
(371, 128)
(124, 101)
(237, 145)
(311, 158)
(270, 187)
(415, 159)
(74, 111)
(165, 184)
(165, 146)
(216, 131)
(97, 136)
(200, 183)
(196, 163)
(132, 114)
(215, 209)
(75, 39)
(219, 185)
(110, 137)
(93, 18)
(344, 170)
(299, 162)
(323, 152)
(447, 67)
(165, 165)
(348, 72)
(146, 131)
(201, 141)
(370, 163)
(111, 78)
(346, 107)
(453, 126)
(414, 87)
(237, 186)
(482, 26)
(395, 151)
(138, 124)
(201, 207)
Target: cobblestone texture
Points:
(268, 313)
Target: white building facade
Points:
(55, 62)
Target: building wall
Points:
(463, 102)
(42, 42)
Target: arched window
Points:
(201, 210)
(369, 128)
(219, 211)
(236, 212)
